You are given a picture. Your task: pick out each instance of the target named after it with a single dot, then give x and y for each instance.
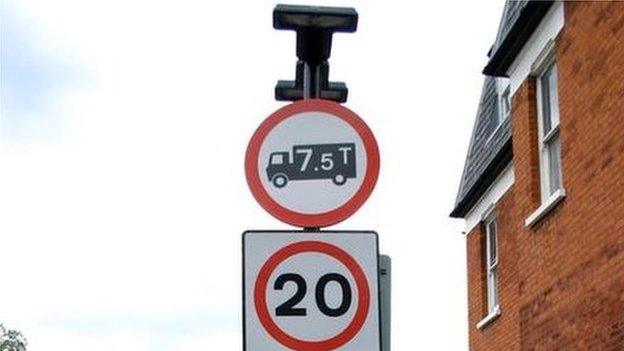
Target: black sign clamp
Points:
(315, 26)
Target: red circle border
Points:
(336, 215)
(280, 335)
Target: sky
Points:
(123, 127)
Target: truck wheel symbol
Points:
(280, 180)
(339, 179)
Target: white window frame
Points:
(277, 156)
(549, 196)
(491, 269)
(491, 257)
(505, 96)
(502, 92)
(547, 140)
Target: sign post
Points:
(312, 164)
(385, 293)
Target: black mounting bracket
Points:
(314, 26)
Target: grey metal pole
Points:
(311, 81)
(311, 90)
(385, 295)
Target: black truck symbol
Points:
(308, 162)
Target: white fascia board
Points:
(487, 201)
(546, 32)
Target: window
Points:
(544, 69)
(277, 159)
(491, 269)
(491, 262)
(502, 106)
(505, 105)
(548, 129)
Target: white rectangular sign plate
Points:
(311, 291)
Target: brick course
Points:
(562, 281)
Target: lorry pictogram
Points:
(313, 162)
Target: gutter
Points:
(489, 175)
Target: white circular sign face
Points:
(322, 158)
(338, 300)
(317, 291)
(312, 163)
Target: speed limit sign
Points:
(312, 163)
(314, 292)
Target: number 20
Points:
(288, 307)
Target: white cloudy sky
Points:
(123, 125)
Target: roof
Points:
(489, 154)
(511, 12)
(520, 19)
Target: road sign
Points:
(318, 291)
(312, 163)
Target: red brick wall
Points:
(562, 281)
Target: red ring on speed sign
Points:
(318, 219)
(304, 345)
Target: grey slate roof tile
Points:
(510, 15)
(483, 147)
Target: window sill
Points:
(545, 208)
(489, 318)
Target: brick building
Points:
(542, 192)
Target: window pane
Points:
(492, 289)
(545, 91)
(506, 108)
(492, 239)
(554, 164)
(277, 159)
(554, 96)
(495, 284)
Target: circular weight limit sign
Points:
(343, 337)
(312, 163)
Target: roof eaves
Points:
(495, 167)
(518, 35)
